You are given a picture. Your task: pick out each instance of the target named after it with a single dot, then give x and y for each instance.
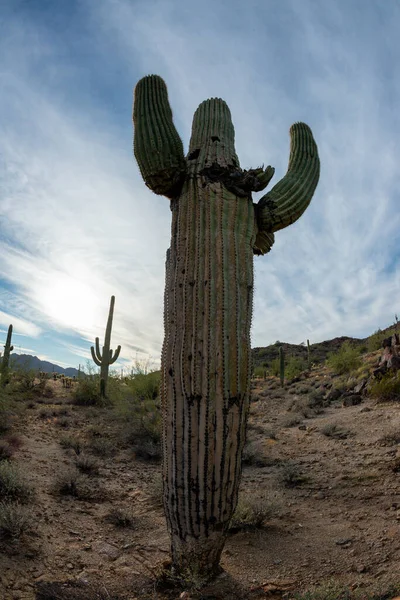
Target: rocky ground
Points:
(324, 474)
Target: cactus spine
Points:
(6, 358)
(282, 365)
(107, 357)
(206, 356)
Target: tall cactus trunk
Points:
(206, 355)
(206, 368)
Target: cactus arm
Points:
(158, 148)
(98, 353)
(11, 348)
(116, 355)
(95, 359)
(289, 198)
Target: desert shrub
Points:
(71, 442)
(87, 464)
(254, 454)
(6, 450)
(345, 360)
(14, 520)
(101, 446)
(155, 491)
(259, 372)
(386, 390)
(290, 475)
(13, 485)
(5, 414)
(390, 439)
(335, 431)
(333, 590)
(252, 512)
(120, 518)
(72, 483)
(87, 392)
(291, 420)
(294, 367)
(375, 340)
(139, 410)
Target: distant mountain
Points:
(26, 361)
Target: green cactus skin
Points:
(282, 365)
(206, 356)
(6, 358)
(107, 357)
(308, 356)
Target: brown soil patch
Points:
(342, 521)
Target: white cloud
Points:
(78, 224)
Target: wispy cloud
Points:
(77, 223)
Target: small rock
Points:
(352, 400)
(365, 409)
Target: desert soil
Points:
(340, 521)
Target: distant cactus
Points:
(308, 356)
(282, 365)
(5, 372)
(107, 357)
(208, 302)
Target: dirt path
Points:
(335, 504)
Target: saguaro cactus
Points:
(6, 358)
(107, 357)
(206, 358)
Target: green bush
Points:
(251, 512)
(345, 360)
(14, 520)
(386, 390)
(139, 409)
(12, 483)
(375, 340)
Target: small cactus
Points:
(8, 348)
(108, 356)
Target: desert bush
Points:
(254, 454)
(72, 483)
(252, 512)
(14, 520)
(345, 360)
(5, 414)
(333, 590)
(334, 430)
(13, 485)
(139, 411)
(292, 420)
(385, 390)
(155, 491)
(101, 446)
(259, 372)
(87, 464)
(390, 439)
(120, 518)
(294, 367)
(375, 340)
(290, 475)
(71, 442)
(87, 392)
(6, 450)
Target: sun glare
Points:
(71, 303)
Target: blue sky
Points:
(77, 224)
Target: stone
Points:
(352, 400)
(333, 395)
(360, 386)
